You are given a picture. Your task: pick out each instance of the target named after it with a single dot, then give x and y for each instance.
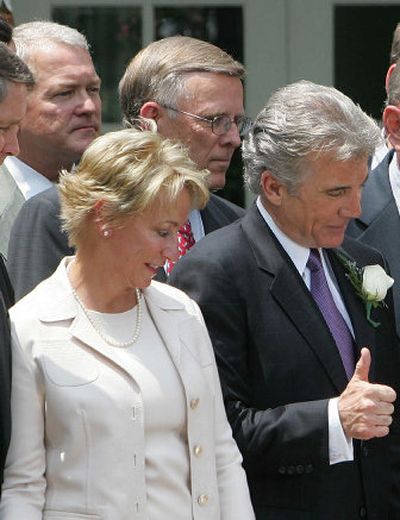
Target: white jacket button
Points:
(198, 450)
(202, 500)
(194, 403)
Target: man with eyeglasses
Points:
(193, 91)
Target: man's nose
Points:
(232, 136)
(11, 145)
(353, 208)
(86, 104)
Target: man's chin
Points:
(216, 181)
(332, 242)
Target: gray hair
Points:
(31, 36)
(12, 69)
(301, 119)
(395, 48)
(158, 72)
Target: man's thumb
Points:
(362, 367)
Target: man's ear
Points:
(271, 188)
(388, 74)
(150, 110)
(391, 121)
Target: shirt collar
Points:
(297, 253)
(29, 181)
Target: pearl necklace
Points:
(108, 339)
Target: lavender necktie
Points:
(335, 321)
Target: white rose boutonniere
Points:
(375, 283)
(371, 284)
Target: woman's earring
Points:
(106, 233)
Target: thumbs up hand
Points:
(365, 409)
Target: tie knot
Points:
(185, 229)
(314, 262)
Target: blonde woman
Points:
(116, 404)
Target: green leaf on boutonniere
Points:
(371, 284)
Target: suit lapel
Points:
(364, 332)
(377, 194)
(208, 218)
(291, 293)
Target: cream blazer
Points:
(78, 441)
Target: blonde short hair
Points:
(128, 170)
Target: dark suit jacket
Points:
(6, 299)
(379, 224)
(279, 366)
(37, 243)
(218, 213)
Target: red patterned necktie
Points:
(185, 242)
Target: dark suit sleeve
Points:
(37, 243)
(5, 385)
(273, 438)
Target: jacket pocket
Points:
(51, 514)
(66, 364)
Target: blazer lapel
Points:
(377, 193)
(291, 293)
(364, 332)
(166, 322)
(65, 307)
(210, 223)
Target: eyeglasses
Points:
(221, 124)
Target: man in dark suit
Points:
(15, 81)
(37, 243)
(288, 326)
(194, 92)
(379, 222)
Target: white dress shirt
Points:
(197, 224)
(379, 155)
(340, 447)
(28, 180)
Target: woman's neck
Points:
(99, 287)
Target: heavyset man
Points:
(63, 117)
